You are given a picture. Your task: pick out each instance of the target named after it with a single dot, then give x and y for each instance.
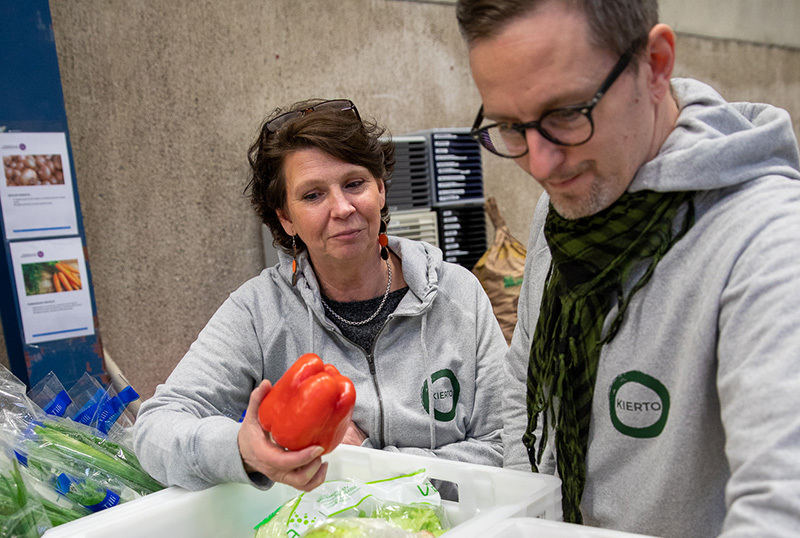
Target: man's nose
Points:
(543, 157)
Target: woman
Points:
(417, 336)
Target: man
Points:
(654, 363)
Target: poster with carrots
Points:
(53, 289)
(51, 277)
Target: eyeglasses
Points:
(566, 126)
(333, 105)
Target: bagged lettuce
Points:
(406, 503)
(360, 527)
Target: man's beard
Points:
(576, 206)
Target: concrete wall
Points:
(164, 98)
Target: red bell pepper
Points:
(311, 404)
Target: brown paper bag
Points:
(500, 271)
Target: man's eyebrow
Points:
(569, 98)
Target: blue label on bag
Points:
(127, 395)
(112, 408)
(21, 458)
(65, 482)
(109, 413)
(58, 405)
(112, 499)
(89, 410)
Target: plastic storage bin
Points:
(487, 496)
(540, 528)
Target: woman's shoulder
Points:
(423, 257)
(268, 282)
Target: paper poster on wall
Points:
(36, 192)
(54, 299)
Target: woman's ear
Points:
(286, 222)
(660, 58)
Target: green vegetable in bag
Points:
(406, 503)
(21, 515)
(74, 446)
(348, 527)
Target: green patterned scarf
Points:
(592, 259)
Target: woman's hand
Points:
(301, 469)
(353, 435)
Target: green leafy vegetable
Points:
(20, 513)
(32, 276)
(74, 446)
(349, 527)
(411, 518)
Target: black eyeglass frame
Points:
(275, 124)
(585, 109)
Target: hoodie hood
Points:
(422, 267)
(716, 144)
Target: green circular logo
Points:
(639, 410)
(442, 394)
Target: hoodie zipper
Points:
(371, 363)
(370, 356)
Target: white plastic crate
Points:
(487, 496)
(418, 225)
(540, 528)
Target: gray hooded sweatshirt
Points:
(440, 350)
(695, 427)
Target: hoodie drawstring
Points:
(310, 327)
(429, 381)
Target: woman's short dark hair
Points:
(613, 24)
(340, 134)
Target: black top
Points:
(364, 335)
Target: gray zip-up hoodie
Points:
(440, 350)
(695, 426)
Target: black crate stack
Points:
(457, 193)
(409, 193)
(462, 233)
(410, 183)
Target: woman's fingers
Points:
(301, 469)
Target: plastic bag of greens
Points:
(102, 408)
(111, 413)
(16, 409)
(52, 397)
(408, 502)
(360, 527)
(21, 512)
(86, 393)
(82, 463)
(58, 508)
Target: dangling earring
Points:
(294, 261)
(383, 241)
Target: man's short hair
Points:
(614, 24)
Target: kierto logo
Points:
(639, 405)
(445, 392)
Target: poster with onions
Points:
(36, 194)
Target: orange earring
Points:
(383, 241)
(294, 261)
